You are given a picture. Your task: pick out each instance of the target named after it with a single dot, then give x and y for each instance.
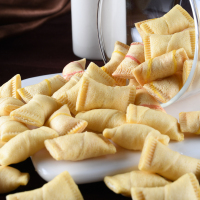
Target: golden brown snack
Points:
(132, 136)
(9, 89)
(63, 123)
(185, 188)
(36, 111)
(133, 58)
(79, 146)
(46, 87)
(122, 183)
(93, 95)
(156, 45)
(166, 124)
(99, 119)
(160, 67)
(10, 128)
(8, 104)
(190, 122)
(165, 89)
(25, 145)
(133, 82)
(158, 158)
(62, 187)
(11, 179)
(73, 68)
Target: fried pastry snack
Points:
(62, 187)
(63, 123)
(9, 89)
(10, 128)
(133, 58)
(185, 188)
(11, 179)
(119, 53)
(46, 87)
(160, 67)
(99, 119)
(122, 183)
(93, 95)
(132, 136)
(156, 45)
(190, 122)
(25, 145)
(2, 143)
(165, 89)
(36, 111)
(133, 82)
(79, 146)
(8, 104)
(158, 158)
(74, 67)
(166, 124)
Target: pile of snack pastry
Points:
(75, 117)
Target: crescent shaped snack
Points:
(11, 179)
(190, 122)
(62, 187)
(93, 95)
(36, 111)
(132, 136)
(166, 124)
(9, 89)
(160, 67)
(73, 68)
(122, 183)
(63, 123)
(8, 104)
(79, 146)
(25, 145)
(156, 45)
(158, 158)
(165, 89)
(46, 87)
(119, 53)
(185, 188)
(99, 119)
(133, 58)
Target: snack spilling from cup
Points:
(98, 100)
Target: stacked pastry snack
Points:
(98, 100)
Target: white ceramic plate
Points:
(96, 169)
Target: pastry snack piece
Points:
(8, 104)
(156, 45)
(160, 67)
(190, 122)
(9, 89)
(36, 111)
(99, 119)
(93, 95)
(74, 67)
(176, 20)
(158, 158)
(122, 183)
(46, 87)
(10, 128)
(133, 82)
(133, 58)
(119, 53)
(63, 123)
(143, 98)
(2, 143)
(25, 145)
(166, 124)
(165, 89)
(79, 146)
(132, 136)
(11, 179)
(185, 188)
(62, 187)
